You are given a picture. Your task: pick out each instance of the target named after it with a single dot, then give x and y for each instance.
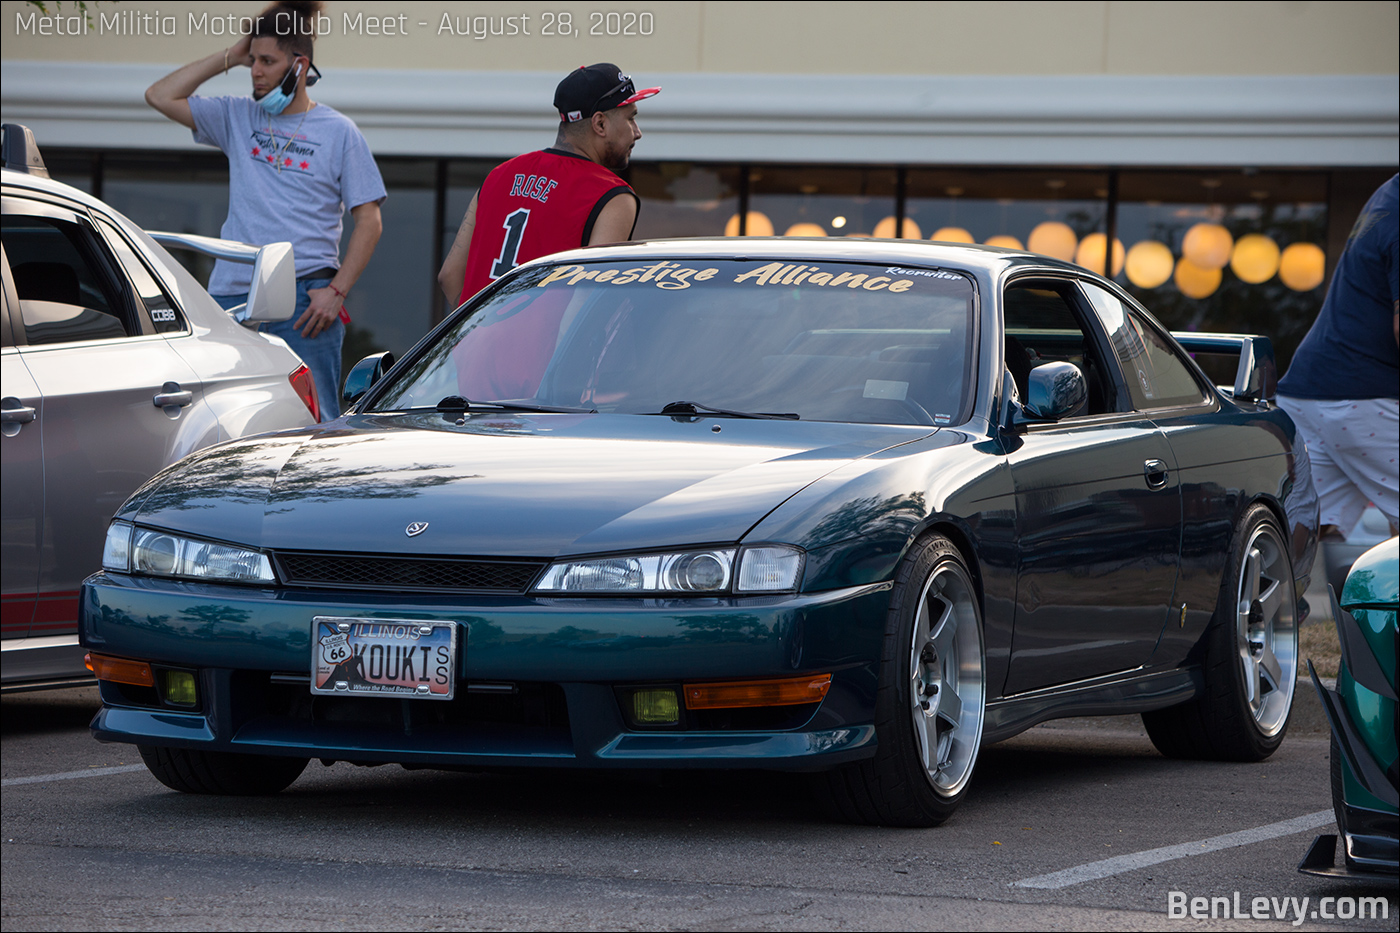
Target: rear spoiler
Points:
(273, 294)
(1256, 373)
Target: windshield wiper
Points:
(457, 403)
(695, 408)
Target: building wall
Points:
(1244, 83)
(1021, 37)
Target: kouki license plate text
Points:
(383, 657)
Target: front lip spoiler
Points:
(1321, 860)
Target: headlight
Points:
(769, 569)
(159, 553)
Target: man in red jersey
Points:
(559, 198)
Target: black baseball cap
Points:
(590, 89)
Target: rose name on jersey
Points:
(533, 186)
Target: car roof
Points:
(989, 259)
(39, 184)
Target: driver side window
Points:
(1043, 325)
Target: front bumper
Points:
(561, 658)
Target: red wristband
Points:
(342, 294)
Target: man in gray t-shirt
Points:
(294, 167)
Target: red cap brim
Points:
(641, 95)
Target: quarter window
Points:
(163, 314)
(1156, 376)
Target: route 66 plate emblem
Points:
(407, 658)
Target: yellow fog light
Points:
(656, 707)
(179, 688)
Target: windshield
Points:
(822, 341)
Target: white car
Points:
(116, 363)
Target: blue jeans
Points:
(321, 353)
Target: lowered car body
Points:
(854, 507)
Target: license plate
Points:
(383, 657)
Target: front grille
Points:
(299, 568)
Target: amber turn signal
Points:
(120, 670)
(790, 691)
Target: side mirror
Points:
(273, 294)
(365, 374)
(1055, 390)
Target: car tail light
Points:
(305, 386)
(120, 670)
(790, 691)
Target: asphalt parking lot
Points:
(1077, 824)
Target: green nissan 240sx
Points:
(840, 506)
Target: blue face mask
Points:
(276, 100)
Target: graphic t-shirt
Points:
(291, 178)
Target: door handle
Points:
(172, 396)
(13, 415)
(1156, 473)
(16, 412)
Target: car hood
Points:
(517, 485)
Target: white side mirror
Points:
(273, 294)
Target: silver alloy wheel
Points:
(947, 683)
(1266, 630)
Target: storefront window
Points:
(175, 192)
(1226, 251)
(818, 201)
(1055, 213)
(684, 198)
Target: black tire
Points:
(223, 773)
(931, 702)
(1250, 660)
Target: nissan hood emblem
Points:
(416, 528)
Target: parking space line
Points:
(1125, 863)
(70, 775)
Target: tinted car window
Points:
(828, 342)
(162, 313)
(1156, 376)
(64, 292)
(1043, 326)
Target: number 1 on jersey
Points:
(515, 232)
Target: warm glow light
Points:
(1090, 254)
(838, 222)
(759, 225)
(885, 230)
(952, 235)
(1004, 241)
(1053, 239)
(1255, 258)
(1301, 266)
(1149, 264)
(805, 228)
(734, 694)
(1194, 281)
(1207, 246)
